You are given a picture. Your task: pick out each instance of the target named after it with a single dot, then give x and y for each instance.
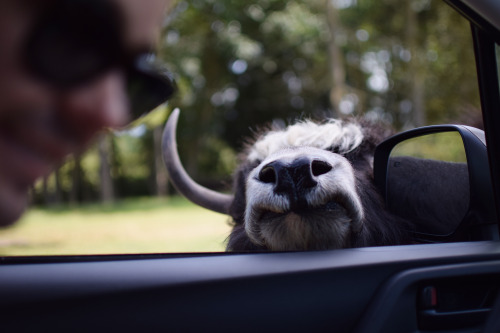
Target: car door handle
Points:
(434, 320)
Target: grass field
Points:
(146, 225)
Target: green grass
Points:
(146, 225)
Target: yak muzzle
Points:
(294, 180)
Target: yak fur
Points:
(357, 218)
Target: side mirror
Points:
(438, 178)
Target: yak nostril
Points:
(267, 174)
(320, 167)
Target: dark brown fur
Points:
(379, 226)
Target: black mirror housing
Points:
(479, 219)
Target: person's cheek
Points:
(13, 202)
(20, 94)
(115, 103)
(99, 105)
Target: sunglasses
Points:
(72, 42)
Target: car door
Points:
(411, 288)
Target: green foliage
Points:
(241, 65)
(445, 146)
(154, 118)
(218, 157)
(132, 157)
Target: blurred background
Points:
(241, 65)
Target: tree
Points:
(242, 65)
(106, 182)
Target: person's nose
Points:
(100, 104)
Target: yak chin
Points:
(321, 228)
(292, 210)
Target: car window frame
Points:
(485, 37)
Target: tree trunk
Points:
(106, 189)
(76, 179)
(337, 69)
(45, 190)
(57, 198)
(51, 196)
(417, 82)
(161, 178)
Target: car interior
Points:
(448, 281)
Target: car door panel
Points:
(305, 291)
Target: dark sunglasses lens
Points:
(148, 90)
(73, 41)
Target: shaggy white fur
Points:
(345, 137)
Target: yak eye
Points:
(267, 174)
(319, 168)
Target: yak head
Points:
(307, 186)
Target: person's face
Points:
(39, 124)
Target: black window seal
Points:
(487, 74)
(474, 18)
(485, 35)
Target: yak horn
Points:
(198, 194)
